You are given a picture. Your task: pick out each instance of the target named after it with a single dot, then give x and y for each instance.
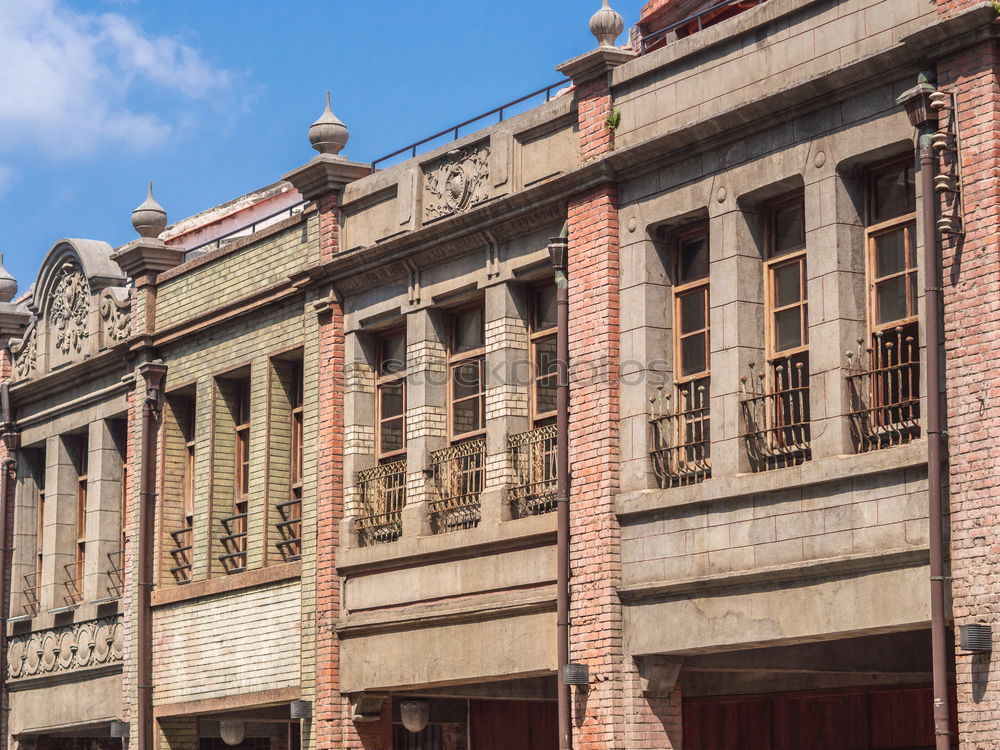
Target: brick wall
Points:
(971, 283)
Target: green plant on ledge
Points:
(614, 119)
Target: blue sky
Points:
(211, 100)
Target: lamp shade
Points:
(232, 732)
(415, 715)
(558, 247)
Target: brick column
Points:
(971, 297)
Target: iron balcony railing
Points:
(458, 476)
(383, 495)
(290, 529)
(453, 131)
(682, 438)
(884, 385)
(73, 584)
(234, 542)
(533, 458)
(181, 554)
(32, 594)
(775, 412)
(653, 38)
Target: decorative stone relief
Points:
(116, 313)
(68, 310)
(458, 182)
(25, 351)
(86, 644)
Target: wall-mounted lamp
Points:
(917, 102)
(415, 715)
(232, 732)
(558, 252)
(976, 638)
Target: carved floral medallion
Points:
(68, 309)
(116, 313)
(459, 182)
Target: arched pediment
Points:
(92, 257)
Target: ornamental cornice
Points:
(83, 645)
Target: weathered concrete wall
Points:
(66, 705)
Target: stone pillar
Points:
(971, 288)
(837, 312)
(645, 352)
(360, 424)
(736, 297)
(426, 413)
(104, 499)
(508, 375)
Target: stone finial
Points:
(607, 25)
(328, 134)
(149, 218)
(8, 284)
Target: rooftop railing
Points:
(699, 20)
(453, 132)
(244, 231)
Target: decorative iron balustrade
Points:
(776, 414)
(181, 554)
(235, 543)
(73, 585)
(682, 440)
(290, 529)
(458, 475)
(884, 385)
(533, 458)
(383, 495)
(32, 594)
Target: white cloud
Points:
(67, 77)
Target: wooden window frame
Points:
(39, 514)
(189, 436)
(684, 289)
(535, 336)
(774, 261)
(297, 400)
(456, 360)
(384, 379)
(873, 230)
(241, 428)
(81, 449)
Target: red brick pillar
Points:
(971, 295)
(614, 712)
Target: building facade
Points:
(286, 473)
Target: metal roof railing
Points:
(647, 40)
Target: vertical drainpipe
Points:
(932, 316)
(152, 373)
(558, 251)
(12, 440)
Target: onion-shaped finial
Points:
(328, 134)
(8, 284)
(149, 218)
(607, 25)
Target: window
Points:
(542, 333)
(885, 379)
(33, 580)
(75, 572)
(184, 444)
(235, 539)
(290, 510)
(116, 582)
(775, 402)
(466, 364)
(391, 396)
(681, 430)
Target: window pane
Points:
(693, 312)
(545, 395)
(894, 193)
(891, 299)
(393, 354)
(890, 253)
(787, 329)
(787, 284)
(466, 380)
(466, 416)
(693, 258)
(391, 435)
(468, 330)
(789, 228)
(693, 358)
(392, 399)
(545, 307)
(545, 356)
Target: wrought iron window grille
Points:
(32, 594)
(884, 385)
(73, 584)
(681, 452)
(775, 411)
(181, 554)
(290, 529)
(116, 583)
(383, 496)
(235, 543)
(533, 458)
(458, 477)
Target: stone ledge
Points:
(229, 703)
(818, 471)
(830, 567)
(227, 584)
